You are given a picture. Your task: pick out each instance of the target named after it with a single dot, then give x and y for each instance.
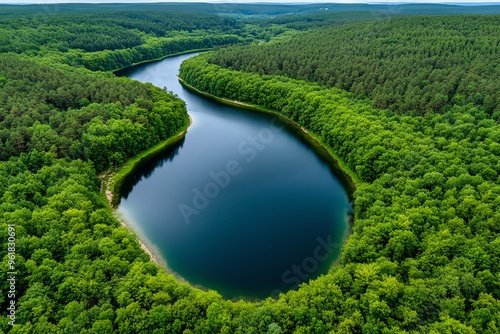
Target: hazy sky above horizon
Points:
(246, 1)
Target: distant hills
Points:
(267, 9)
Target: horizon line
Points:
(284, 2)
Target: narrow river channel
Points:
(241, 205)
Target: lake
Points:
(242, 204)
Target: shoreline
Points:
(349, 175)
(145, 248)
(111, 182)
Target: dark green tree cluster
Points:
(423, 250)
(155, 48)
(161, 24)
(81, 115)
(92, 39)
(109, 30)
(115, 39)
(411, 65)
(323, 18)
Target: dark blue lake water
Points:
(241, 205)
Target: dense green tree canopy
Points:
(111, 40)
(424, 251)
(81, 115)
(411, 65)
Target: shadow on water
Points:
(145, 168)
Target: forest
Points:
(409, 103)
(112, 40)
(409, 65)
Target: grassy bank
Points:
(112, 179)
(312, 138)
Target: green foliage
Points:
(111, 40)
(423, 254)
(410, 65)
(81, 115)
(97, 31)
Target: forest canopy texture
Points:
(409, 104)
(410, 65)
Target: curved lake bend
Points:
(240, 205)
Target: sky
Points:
(249, 1)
